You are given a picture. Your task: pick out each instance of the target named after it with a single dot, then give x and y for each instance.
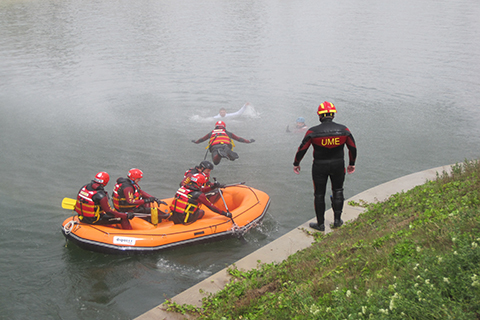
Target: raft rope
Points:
(68, 227)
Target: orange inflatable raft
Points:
(247, 205)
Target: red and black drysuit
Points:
(129, 197)
(328, 140)
(185, 206)
(220, 144)
(92, 207)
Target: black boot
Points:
(316, 226)
(337, 223)
(337, 207)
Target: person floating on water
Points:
(300, 126)
(185, 206)
(328, 140)
(221, 143)
(92, 204)
(223, 113)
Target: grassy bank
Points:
(413, 256)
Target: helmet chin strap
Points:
(325, 117)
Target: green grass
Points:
(414, 256)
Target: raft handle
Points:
(67, 228)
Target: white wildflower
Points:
(475, 282)
(364, 309)
(474, 245)
(314, 309)
(392, 304)
(419, 249)
(349, 293)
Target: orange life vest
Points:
(185, 203)
(86, 206)
(120, 202)
(219, 136)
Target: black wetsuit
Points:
(328, 140)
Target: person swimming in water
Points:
(300, 126)
(222, 114)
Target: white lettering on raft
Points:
(125, 240)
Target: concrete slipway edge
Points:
(297, 239)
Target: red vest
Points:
(85, 206)
(190, 172)
(120, 202)
(219, 136)
(184, 203)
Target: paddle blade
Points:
(68, 203)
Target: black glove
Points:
(227, 214)
(130, 215)
(252, 140)
(218, 185)
(194, 141)
(159, 202)
(149, 200)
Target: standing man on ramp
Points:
(328, 140)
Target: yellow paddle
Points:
(68, 203)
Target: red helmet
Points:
(220, 124)
(102, 177)
(326, 107)
(135, 173)
(199, 179)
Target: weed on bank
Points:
(413, 256)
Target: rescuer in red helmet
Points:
(92, 204)
(328, 140)
(128, 196)
(185, 207)
(205, 167)
(221, 143)
(209, 187)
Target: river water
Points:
(108, 85)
